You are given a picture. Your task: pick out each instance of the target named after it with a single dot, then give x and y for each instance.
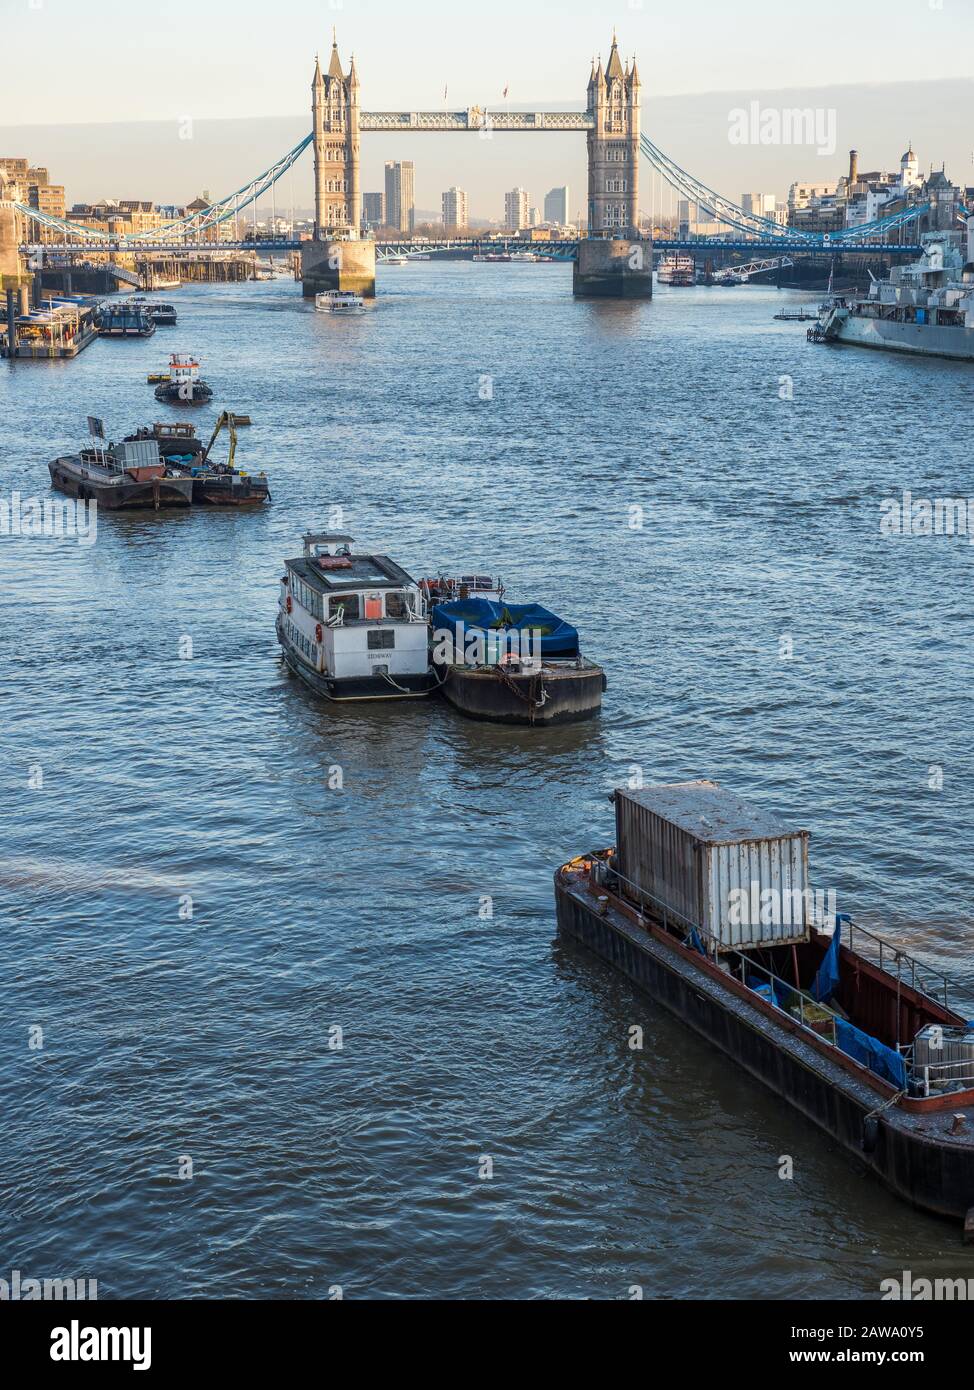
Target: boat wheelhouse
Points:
(353, 626)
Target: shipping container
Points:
(715, 862)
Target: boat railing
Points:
(780, 989)
(898, 964)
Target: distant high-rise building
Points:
(556, 206)
(759, 204)
(401, 195)
(515, 209)
(455, 208)
(534, 217)
(374, 209)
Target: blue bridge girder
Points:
(563, 250)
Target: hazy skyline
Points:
(148, 160)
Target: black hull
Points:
(172, 394)
(910, 1154)
(570, 694)
(115, 497)
(210, 493)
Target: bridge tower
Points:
(15, 280)
(335, 122)
(613, 147)
(337, 259)
(613, 260)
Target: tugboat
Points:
(126, 475)
(512, 663)
(353, 626)
(704, 902)
(339, 302)
(182, 385)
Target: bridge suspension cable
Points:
(751, 224)
(193, 224)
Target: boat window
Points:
(347, 604)
(381, 639)
(395, 605)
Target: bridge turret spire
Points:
(335, 66)
(318, 81)
(614, 66)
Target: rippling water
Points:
(465, 1037)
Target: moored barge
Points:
(512, 663)
(122, 476)
(704, 903)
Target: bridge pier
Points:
(616, 268)
(338, 265)
(15, 280)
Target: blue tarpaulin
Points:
(827, 979)
(694, 940)
(879, 1058)
(510, 621)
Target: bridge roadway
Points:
(564, 250)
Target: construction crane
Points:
(229, 421)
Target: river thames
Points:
(192, 908)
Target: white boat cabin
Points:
(339, 302)
(353, 624)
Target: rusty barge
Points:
(704, 904)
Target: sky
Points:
(128, 61)
(104, 60)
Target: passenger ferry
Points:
(677, 269)
(339, 302)
(352, 626)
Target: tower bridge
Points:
(612, 259)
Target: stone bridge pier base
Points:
(338, 265)
(620, 268)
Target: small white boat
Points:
(395, 260)
(339, 302)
